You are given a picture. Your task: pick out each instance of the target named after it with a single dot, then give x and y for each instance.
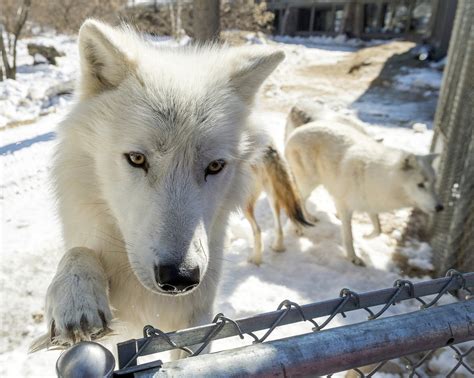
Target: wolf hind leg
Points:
(278, 244)
(377, 230)
(256, 256)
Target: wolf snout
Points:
(174, 279)
(439, 207)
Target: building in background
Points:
(418, 20)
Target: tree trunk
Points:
(284, 24)
(206, 20)
(172, 20)
(348, 19)
(6, 64)
(179, 24)
(176, 23)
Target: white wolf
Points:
(360, 174)
(307, 111)
(151, 160)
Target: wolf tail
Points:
(283, 187)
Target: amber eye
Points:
(136, 159)
(214, 167)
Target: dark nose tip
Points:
(174, 279)
(439, 208)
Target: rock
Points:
(419, 127)
(39, 59)
(47, 52)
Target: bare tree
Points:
(11, 25)
(66, 16)
(206, 20)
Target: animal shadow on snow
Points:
(313, 266)
(396, 107)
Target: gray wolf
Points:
(151, 161)
(273, 176)
(359, 173)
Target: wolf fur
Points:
(308, 111)
(273, 176)
(182, 109)
(359, 173)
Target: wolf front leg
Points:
(77, 305)
(346, 218)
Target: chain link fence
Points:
(453, 229)
(436, 340)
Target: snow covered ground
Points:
(34, 91)
(313, 268)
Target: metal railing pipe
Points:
(333, 350)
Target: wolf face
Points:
(419, 180)
(171, 145)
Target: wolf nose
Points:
(439, 208)
(173, 279)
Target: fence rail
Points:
(337, 349)
(408, 341)
(334, 350)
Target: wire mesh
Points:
(453, 229)
(419, 365)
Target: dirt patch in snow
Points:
(365, 65)
(373, 81)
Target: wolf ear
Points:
(430, 158)
(250, 66)
(106, 56)
(409, 162)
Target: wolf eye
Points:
(214, 167)
(136, 159)
(421, 185)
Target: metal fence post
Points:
(453, 229)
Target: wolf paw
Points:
(78, 310)
(278, 247)
(372, 235)
(312, 218)
(255, 260)
(357, 261)
(298, 231)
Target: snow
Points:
(419, 127)
(335, 42)
(419, 78)
(312, 269)
(35, 90)
(444, 360)
(419, 257)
